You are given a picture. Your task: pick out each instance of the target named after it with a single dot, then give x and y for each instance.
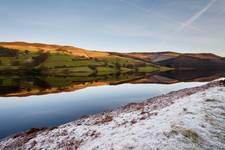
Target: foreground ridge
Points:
(187, 119)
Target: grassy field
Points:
(56, 60)
(29, 69)
(63, 64)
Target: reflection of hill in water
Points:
(26, 86)
(181, 76)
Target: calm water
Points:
(18, 114)
(22, 113)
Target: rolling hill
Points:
(49, 59)
(34, 68)
(52, 48)
(179, 61)
(36, 58)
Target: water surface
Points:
(20, 113)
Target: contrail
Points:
(190, 21)
(149, 11)
(186, 24)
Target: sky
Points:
(118, 25)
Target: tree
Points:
(26, 52)
(117, 65)
(6, 52)
(130, 66)
(93, 68)
(16, 63)
(39, 59)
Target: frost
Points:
(187, 119)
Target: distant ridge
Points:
(181, 61)
(53, 48)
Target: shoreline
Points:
(120, 128)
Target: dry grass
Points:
(53, 49)
(186, 132)
(104, 119)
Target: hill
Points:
(52, 48)
(50, 59)
(36, 58)
(188, 61)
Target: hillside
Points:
(49, 59)
(189, 61)
(45, 59)
(187, 119)
(51, 48)
(153, 57)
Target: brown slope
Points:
(169, 59)
(161, 56)
(52, 48)
(71, 50)
(154, 56)
(192, 61)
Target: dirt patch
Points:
(73, 145)
(93, 133)
(30, 132)
(210, 100)
(133, 121)
(24, 137)
(33, 143)
(222, 82)
(186, 132)
(104, 119)
(133, 106)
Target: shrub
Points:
(93, 68)
(40, 58)
(6, 52)
(16, 63)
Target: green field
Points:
(62, 64)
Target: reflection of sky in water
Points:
(22, 113)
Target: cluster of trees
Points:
(6, 52)
(39, 59)
(93, 68)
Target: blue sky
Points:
(118, 25)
